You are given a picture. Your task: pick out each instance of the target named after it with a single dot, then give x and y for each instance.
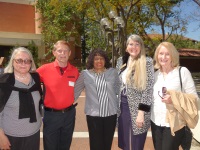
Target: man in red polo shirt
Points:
(59, 78)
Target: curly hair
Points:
(97, 52)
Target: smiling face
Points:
(22, 63)
(164, 58)
(99, 63)
(133, 48)
(62, 54)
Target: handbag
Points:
(187, 138)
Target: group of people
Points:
(133, 96)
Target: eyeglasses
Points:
(21, 61)
(164, 91)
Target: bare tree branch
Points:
(197, 2)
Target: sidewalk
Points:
(80, 137)
(81, 142)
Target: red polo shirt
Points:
(59, 87)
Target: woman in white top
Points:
(167, 77)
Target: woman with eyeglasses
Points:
(20, 95)
(135, 98)
(169, 77)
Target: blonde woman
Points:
(168, 77)
(137, 78)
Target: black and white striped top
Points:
(9, 121)
(106, 96)
(102, 94)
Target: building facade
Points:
(19, 25)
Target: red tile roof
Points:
(159, 36)
(189, 52)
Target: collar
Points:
(56, 65)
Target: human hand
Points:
(167, 99)
(140, 119)
(4, 142)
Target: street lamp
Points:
(117, 40)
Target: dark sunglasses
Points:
(164, 91)
(21, 61)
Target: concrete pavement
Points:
(80, 137)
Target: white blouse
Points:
(172, 82)
(124, 75)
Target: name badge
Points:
(71, 83)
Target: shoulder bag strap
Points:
(180, 78)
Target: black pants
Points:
(25, 143)
(58, 129)
(101, 132)
(163, 140)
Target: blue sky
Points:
(188, 8)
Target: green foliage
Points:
(140, 16)
(63, 19)
(58, 21)
(182, 42)
(34, 50)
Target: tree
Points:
(34, 51)
(196, 15)
(139, 16)
(197, 2)
(59, 21)
(166, 16)
(64, 18)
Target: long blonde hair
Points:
(136, 73)
(9, 68)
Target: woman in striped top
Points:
(100, 82)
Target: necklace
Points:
(99, 72)
(21, 77)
